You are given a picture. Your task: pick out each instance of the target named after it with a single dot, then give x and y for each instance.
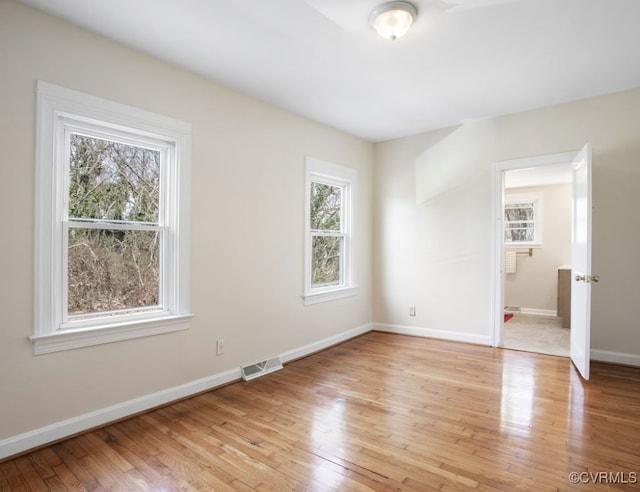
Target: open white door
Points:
(581, 262)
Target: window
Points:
(112, 222)
(330, 192)
(523, 219)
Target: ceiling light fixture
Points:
(392, 20)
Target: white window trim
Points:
(536, 198)
(329, 173)
(56, 107)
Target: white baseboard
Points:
(323, 344)
(53, 432)
(433, 333)
(538, 312)
(59, 430)
(615, 357)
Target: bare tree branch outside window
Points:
(327, 237)
(520, 222)
(112, 268)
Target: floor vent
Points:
(512, 309)
(258, 369)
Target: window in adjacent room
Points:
(330, 191)
(112, 222)
(523, 219)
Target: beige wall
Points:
(535, 283)
(247, 226)
(433, 243)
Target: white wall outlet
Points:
(412, 310)
(220, 346)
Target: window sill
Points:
(328, 295)
(67, 340)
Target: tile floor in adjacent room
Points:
(542, 334)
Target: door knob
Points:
(587, 278)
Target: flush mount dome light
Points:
(392, 20)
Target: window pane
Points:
(112, 270)
(326, 201)
(325, 260)
(519, 235)
(113, 181)
(519, 211)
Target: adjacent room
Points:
(537, 208)
(272, 245)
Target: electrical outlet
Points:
(412, 310)
(220, 346)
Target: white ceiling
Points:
(539, 176)
(463, 59)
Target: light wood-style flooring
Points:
(379, 412)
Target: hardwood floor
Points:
(380, 412)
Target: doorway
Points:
(580, 272)
(537, 249)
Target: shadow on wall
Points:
(458, 157)
(452, 179)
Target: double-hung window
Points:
(330, 191)
(111, 222)
(523, 219)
